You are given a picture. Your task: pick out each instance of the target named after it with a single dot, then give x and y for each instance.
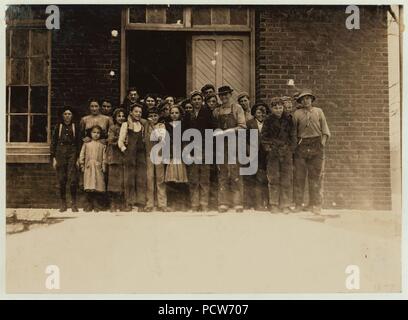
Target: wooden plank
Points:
(123, 56)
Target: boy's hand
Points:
(123, 149)
(324, 140)
(82, 169)
(54, 163)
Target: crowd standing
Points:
(108, 154)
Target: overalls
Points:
(135, 169)
(229, 178)
(66, 155)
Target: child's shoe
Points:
(63, 207)
(274, 209)
(239, 209)
(74, 208)
(317, 210)
(285, 210)
(297, 209)
(222, 208)
(127, 208)
(148, 209)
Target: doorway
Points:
(157, 62)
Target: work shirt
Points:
(133, 125)
(63, 135)
(310, 123)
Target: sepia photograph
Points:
(202, 148)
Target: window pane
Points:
(38, 129)
(7, 42)
(39, 71)
(201, 16)
(174, 15)
(238, 16)
(8, 71)
(155, 15)
(38, 12)
(39, 42)
(39, 99)
(19, 71)
(18, 128)
(16, 12)
(19, 43)
(7, 139)
(19, 100)
(220, 16)
(137, 15)
(23, 12)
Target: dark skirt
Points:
(116, 181)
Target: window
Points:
(27, 92)
(219, 18)
(234, 16)
(156, 15)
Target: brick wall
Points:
(33, 185)
(347, 69)
(83, 54)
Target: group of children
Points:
(109, 154)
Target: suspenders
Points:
(60, 130)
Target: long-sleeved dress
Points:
(93, 159)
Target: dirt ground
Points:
(249, 252)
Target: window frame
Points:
(30, 152)
(187, 23)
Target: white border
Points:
(330, 296)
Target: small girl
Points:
(115, 161)
(176, 172)
(93, 165)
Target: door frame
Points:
(124, 67)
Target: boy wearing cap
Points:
(278, 139)
(255, 187)
(207, 89)
(156, 186)
(211, 101)
(312, 134)
(199, 174)
(245, 103)
(229, 117)
(287, 105)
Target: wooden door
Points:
(220, 60)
